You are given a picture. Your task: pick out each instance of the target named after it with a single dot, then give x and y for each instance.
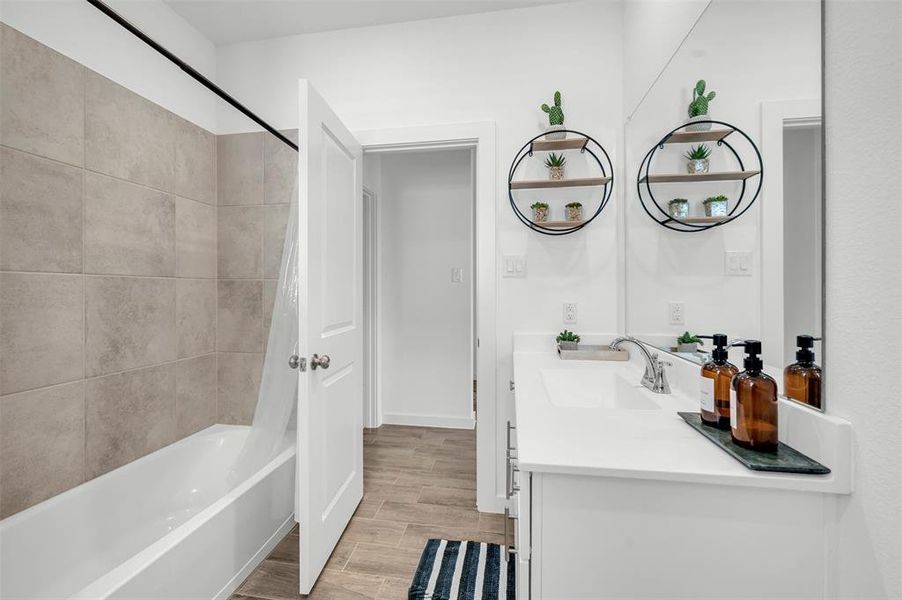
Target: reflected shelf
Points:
(687, 177)
(702, 219)
(558, 183)
(688, 137)
(574, 143)
(557, 224)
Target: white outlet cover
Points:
(677, 313)
(570, 313)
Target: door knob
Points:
(296, 362)
(320, 361)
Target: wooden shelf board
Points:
(565, 144)
(700, 220)
(558, 224)
(558, 183)
(686, 137)
(686, 177)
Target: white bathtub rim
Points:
(228, 589)
(109, 583)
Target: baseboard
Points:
(256, 559)
(428, 421)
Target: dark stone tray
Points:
(785, 460)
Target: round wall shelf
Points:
(573, 140)
(718, 135)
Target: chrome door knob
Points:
(296, 362)
(320, 361)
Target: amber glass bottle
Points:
(714, 391)
(802, 379)
(753, 404)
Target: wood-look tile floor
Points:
(419, 482)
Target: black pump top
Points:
(752, 362)
(719, 354)
(805, 354)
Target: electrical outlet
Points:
(569, 313)
(515, 266)
(677, 316)
(457, 275)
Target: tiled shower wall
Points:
(108, 266)
(257, 176)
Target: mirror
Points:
(759, 275)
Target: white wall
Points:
(84, 34)
(492, 67)
(748, 52)
(425, 333)
(864, 286)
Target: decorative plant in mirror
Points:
(567, 340)
(555, 163)
(555, 119)
(539, 212)
(716, 206)
(698, 159)
(698, 108)
(574, 211)
(678, 207)
(688, 342)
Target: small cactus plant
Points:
(699, 104)
(555, 113)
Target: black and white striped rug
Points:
(451, 570)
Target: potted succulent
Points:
(688, 343)
(697, 159)
(555, 163)
(567, 340)
(698, 108)
(716, 206)
(574, 211)
(678, 207)
(555, 119)
(539, 212)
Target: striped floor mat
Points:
(451, 570)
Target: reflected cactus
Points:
(555, 113)
(700, 102)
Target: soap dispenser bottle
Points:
(802, 379)
(753, 403)
(714, 384)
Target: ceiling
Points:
(230, 21)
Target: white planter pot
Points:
(555, 132)
(696, 126)
(698, 165)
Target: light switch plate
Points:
(737, 264)
(514, 265)
(457, 275)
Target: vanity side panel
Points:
(605, 538)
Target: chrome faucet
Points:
(655, 377)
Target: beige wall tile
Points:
(40, 214)
(130, 322)
(42, 445)
(129, 229)
(240, 316)
(195, 162)
(42, 99)
(280, 169)
(240, 242)
(41, 330)
(275, 222)
(239, 167)
(195, 314)
(195, 232)
(128, 416)
(195, 400)
(128, 136)
(238, 380)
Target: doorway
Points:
(420, 303)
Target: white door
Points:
(330, 301)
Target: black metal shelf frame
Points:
(674, 223)
(527, 151)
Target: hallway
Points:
(419, 483)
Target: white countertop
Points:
(642, 444)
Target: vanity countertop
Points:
(581, 418)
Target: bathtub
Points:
(166, 526)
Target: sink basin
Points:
(595, 388)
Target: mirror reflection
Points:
(706, 251)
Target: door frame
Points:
(480, 136)
(775, 116)
(372, 399)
